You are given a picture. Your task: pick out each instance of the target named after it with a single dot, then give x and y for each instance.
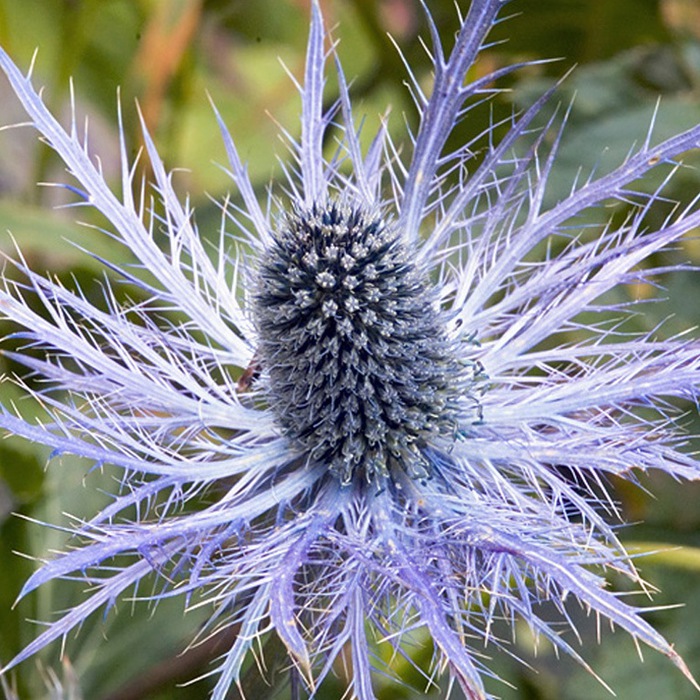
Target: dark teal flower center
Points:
(359, 369)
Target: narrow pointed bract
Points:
(390, 428)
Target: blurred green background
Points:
(630, 56)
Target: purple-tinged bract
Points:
(389, 427)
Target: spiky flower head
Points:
(389, 431)
(362, 374)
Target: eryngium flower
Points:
(389, 427)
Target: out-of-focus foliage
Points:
(637, 61)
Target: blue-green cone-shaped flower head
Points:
(361, 370)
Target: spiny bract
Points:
(415, 442)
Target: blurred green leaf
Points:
(581, 31)
(660, 554)
(49, 241)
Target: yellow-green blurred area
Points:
(634, 59)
